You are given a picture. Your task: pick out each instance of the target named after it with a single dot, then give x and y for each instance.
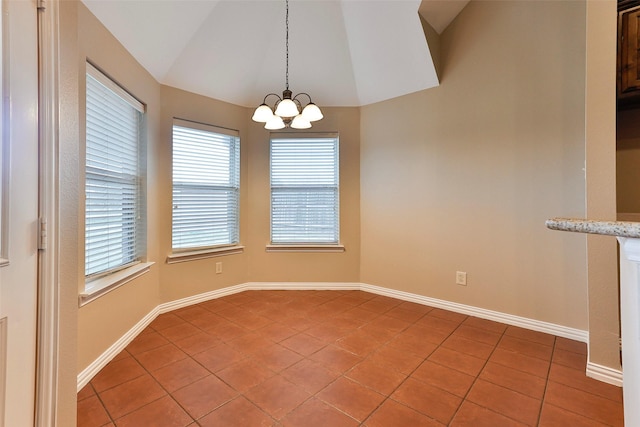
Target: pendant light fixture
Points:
(287, 109)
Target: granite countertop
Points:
(609, 228)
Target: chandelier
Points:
(287, 109)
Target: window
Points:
(114, 233)
(206, 186)
(304, 190)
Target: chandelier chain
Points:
(287, 44)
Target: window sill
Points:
(96, 288)
(305, 248)
(203, 254)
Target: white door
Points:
(19, 212)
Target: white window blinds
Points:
(305, 190)
(206, 186)
(112, 176)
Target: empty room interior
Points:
(384, 261)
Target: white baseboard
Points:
(598, 372)
(90, 371)
(509, 319)
(604, 374)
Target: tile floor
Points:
(343, 358)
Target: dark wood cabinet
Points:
(629, 56)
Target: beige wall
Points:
(462, 177)
(306, 267)
(628, 161)
(103, 321)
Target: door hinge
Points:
(42, 234)
(41, 5)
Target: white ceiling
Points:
(341, 52)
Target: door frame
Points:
(46, 399)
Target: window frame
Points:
(309, 245)
(99, 282)
(233, 186)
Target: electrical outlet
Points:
(461, 278)
(218, 268)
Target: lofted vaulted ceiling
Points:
(341, 52)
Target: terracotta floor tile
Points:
(179, 374)
(327, 332)
(196, 343)
(226, 330)
(359, 313)
(507, 402)
(298, 322)
(146, 342)
(391, 323)
(219, 357)
(470, 347)
(315, 413)
(245, 374)
(472, 415)
(237, 413)
(589, 405)
(309, 375)
(359, 342)
(207, 320)
(276, 357)
(372, 375)
(578, 379)
(413, 345)
(161, 356)
(513, 379)
(571, 345)
(91, 413)
(529, 335)
(252, 321)
(421, 332)
(165, 320)
(570, 359)
(528, 348)
(427, 399)
(488, 325)
(336, 359)
(404, 314)
(392, 358)
(250, 343)
(164, 412)
(377, 330)
(521, 362)
(375, 306)
(476, 334)
(459, 361)
(352, 398)
(394, 414)
(303, 344)
(182, 330)
(85, 392)
(276, 332)
(412, 306)
(448, 315)
(191, 312)
(553, 416)
(434, 322)
(132, 395)
(203, 396)
(116, 373)
(277, 396)
(448, 379)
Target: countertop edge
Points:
(608, 228)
